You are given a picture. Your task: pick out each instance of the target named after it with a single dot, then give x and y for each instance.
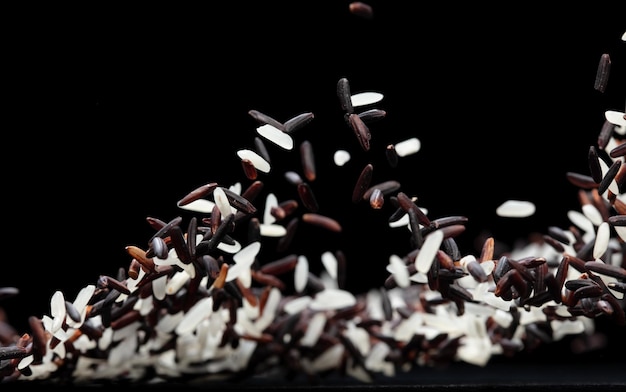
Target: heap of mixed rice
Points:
(200, 302)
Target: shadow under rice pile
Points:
(201, 301)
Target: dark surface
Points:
(116, 114)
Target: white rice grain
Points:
(301, 273)
(200, 310)
(515, 209)
(341, 157)
(329, 261)
(603, 236)
(259, 163)
(276, 136)
(366, 98)
(428, 251)
(221, 200)
(408, 147)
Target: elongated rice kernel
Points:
(361, 9)
(307, 159)
(408, 147)
(221, 201)
(515, 209)
(258, 161)
(298, 121)
(276, 136)
(366, 98)
(301, 273)
(428, 251)
(602, 74)
(601, 243)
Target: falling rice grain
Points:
(392, 155)
(602, 74)
(377, 199)
(248, 169)
(594, 164)
(428, 251)
(298, 121)
(408, 147)
(258, 161)
(366, 98)
(361, 131)
(515, 209)
(362, 183)
(341, 157)
(323, 221)
(361, 9)
(301, 273)
(372, 115)
(276, 136)
(344, 95)
(263, 118)
(308, 160)
(307, 197)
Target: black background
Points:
(113, 114)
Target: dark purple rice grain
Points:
(618, 151)
(297, 122)
(445, 221)
(361, 131)
(13, 351)
(280, 266)
(263, 119)
(198, 193)
(157, 248)
(362, 183)
(225, 227)
(179, 244)
(385, 187)
(556, 245)
(38, 333)
(345, 96)
(307, 197)
(239, 202)
(609, 176)
(581, 180)
(372, 115)
(377, 199)
(587, 292)
(249, 169)
(285, 241)
(606, 132)
(416, 239)
(323, 221)
(392, 155)
(163, 230)
(288, 206)
(594, 164)
(308, 160)
(606, 269)
(559, 234)
(450, 247)
(602, 73)
(620, 178)
(361, 9)
(618, 311)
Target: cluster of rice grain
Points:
(200, 302)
